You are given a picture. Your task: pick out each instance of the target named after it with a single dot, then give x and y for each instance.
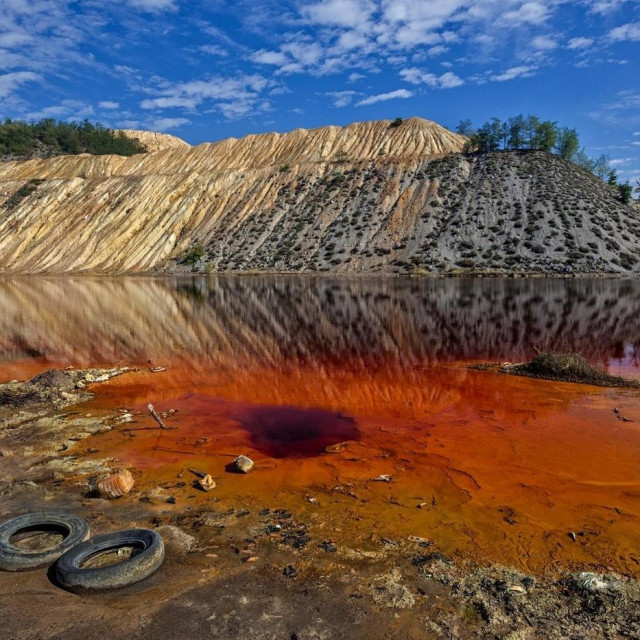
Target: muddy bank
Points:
(563, 367)
(259, 569)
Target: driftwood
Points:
(186, 453)
(156, 417)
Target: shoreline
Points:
(327, 275)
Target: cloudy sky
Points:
(209, 69)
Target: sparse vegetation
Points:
(531, 133)
(22, 193)
(568, 367)
(195, 255)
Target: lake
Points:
(335, 385)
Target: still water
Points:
(329, 383)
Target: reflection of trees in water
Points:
(316, 319)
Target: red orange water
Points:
(327, 394)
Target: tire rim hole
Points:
(39, 537)
(114, 555)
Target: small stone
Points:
(89, 377)
(517, 589)
(289, 571)
(80, 385)
(382, 478)
(243, 464)
(593, 582)
(207, 483)
(176, 540)
(115, 485)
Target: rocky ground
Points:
(262, 573)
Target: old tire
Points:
(148, 556)
(74, 529)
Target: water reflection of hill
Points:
(231, 320)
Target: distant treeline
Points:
(49, 138)
(530, 132)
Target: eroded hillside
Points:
(155, 141)
(369, 197)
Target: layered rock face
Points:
(364, 198)
(155, 141)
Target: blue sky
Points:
(206, 70)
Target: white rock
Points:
(176, 540)
(243, 464)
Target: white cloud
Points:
(277, 58)
(606, 6)
(629, 31)
(580, 43)
(438, 50)
(164, 124)
(514, 72)
(11, 82)
(448, 80)
(623, 111)
(234, 97)
(340, 13)
(108, 104)
(354, 77)
(544, 43)
(214, 50)
(342, 98)
(527, 13)
(383, 97)
(620, 162)
(170, 102)
(154, 5)
(67, 110)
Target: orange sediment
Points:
(489, 467)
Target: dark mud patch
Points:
(291, 432)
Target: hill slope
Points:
(362, 198)
(155, 141)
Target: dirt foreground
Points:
(258, 571)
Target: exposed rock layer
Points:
(363, 198)
(155, 141)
